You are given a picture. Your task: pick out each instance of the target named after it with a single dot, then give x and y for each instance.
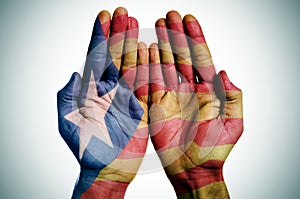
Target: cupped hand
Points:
(195, 114)
(100, 118)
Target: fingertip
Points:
(154, 53)
(161, 30)
(119, 21)
(142, 45)
(120, 11)
(189, 17)
(173, 16)
(104, 16)
(153, 45)
(224, 76)
(132, 28)
(75, 75)
(160, 23)
(100, 29)
(142, 48)
(193, 28)
(132, 23)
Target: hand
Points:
(100, 119)
(195, 115)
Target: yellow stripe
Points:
(215, 190)
(182, 55)
(166, 52)
(144, 120)
(201, 55)
(143, 99)
(130, 53)
(122, 170)
(192, 106)
(177, 159)
(157, 95)
(116, 51)
(209, 106)
(174, 105)
(234, 105)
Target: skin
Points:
(196, 119)
(86, 103)
(195, 114)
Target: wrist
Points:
(200, 182)
(93, 188)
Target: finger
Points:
(100, 29)
(157, 85)
(130, 52)
(67, 96)
(180, 46)
(201, 56)
(97, 51)
(67, 106)
(142, 76)
(117, 35)
(227, 84)
(166, 54)
(230, 95)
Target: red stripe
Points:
(185, 88)
(177, 34)
(157, 87)
(197, 177)
(156, 78)
(142, 81)
(137, 145)
(142, 77)
(172, 133)
(170, 74)
(204, 88)
(177, 132)
(195, 32)
(176, 26)
(156, 73)
(162, 33)
(118, 28)
(132, 28)
(219, 131)
(141, 90)
(118, 24)
(207, 73)
(186, 70)
(105, 28)
(105, 189)
(178, 40)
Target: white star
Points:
(90, 118)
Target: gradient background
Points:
(43, 42)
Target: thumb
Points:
(226, 83)
(67, 96)
(230, 96)
(222, 85)
(72, 88)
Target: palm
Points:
(201, 124)
(107, 122)
(100, 119)
(195, 119)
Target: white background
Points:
(43, 42)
